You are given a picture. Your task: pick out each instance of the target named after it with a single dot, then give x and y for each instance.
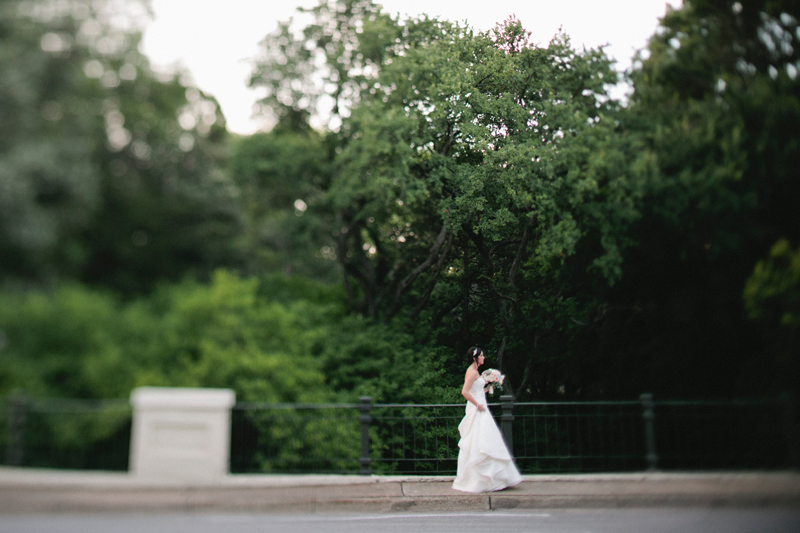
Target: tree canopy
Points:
(113, 174)
(425, 187)
(490, 191)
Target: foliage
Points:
(469, 188)
(306, 440)
(772, 299)
(713, 104)
(112, 174)
(479, 167)
(361, 358)
(81, 343)
(489, 191)
(321, 70)
(282, 175)
(774, 287)
(74, 343)
(276, 339)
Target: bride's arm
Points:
(469, 379)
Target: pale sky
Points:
(214, 39)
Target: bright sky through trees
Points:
(215, 39)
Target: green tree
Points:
(282, 176)
(715, 100)
(112, 174)
(490, 191)
(321, 70)
(774, 287)
(470, 170)
(78, 342)
(483, 170)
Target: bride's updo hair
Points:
(473, 353)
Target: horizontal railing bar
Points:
(79, 410)
(577, 457)
(249, 406)
(573, 415)
(705, 458)
(288, 414)
(390, 459)
(322, 459)
(40, 405)
(629, 402)
(403, 405)
(426, 419)
(726, 403)
(298, 469)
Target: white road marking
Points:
(487, 514)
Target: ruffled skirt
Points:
(484, 464)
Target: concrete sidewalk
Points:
(48, 491)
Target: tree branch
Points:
(500, 354)
(409, 279)
(526, 375)
(479, 244)
(512, 273)
(364, 275)
(451, 138)
(347, 266)
(434, 278)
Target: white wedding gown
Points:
(484, 463)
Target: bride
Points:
(484, 463)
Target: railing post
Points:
(507, 403)
(365, 418)
(649, 430)
(790, 422)
(17, 420)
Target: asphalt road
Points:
(557, 521)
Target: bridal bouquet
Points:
(494, 379)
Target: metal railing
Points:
(544, 437)
(579, 436)
(725, 435)
(268, 437)
(65, 433)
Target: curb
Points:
(43, 491)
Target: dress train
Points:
(484, 464)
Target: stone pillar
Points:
(181, 434)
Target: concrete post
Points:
(181, 434)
